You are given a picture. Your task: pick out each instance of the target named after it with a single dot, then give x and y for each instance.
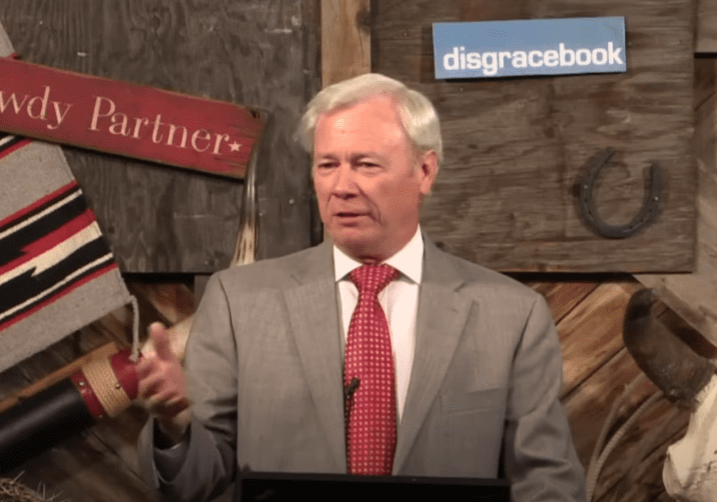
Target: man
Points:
(477, 361)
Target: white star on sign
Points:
(234, 147)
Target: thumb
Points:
(161, 342)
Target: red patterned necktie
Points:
(371, 407)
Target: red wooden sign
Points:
(126, 119)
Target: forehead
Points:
(372, 121)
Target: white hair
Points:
(418, 116)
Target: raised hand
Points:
(162, 386)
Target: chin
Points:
(359, 246)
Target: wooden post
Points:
(345, 39)
(706, 36)
(694, 296)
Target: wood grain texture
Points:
(591, 334)
(694, 296)
(514, 147)
(345, 39)
(618, 480)
(173, 301)
(597, 368)
(562, 296)
(257, 53)
(706, 30)
(85, 469)
(588, 408)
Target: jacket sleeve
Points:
(209, 465)
(539, 456)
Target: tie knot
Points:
(373, 278)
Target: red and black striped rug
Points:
(57, 273)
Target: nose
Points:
(345, 182)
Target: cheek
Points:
(320, 189)
(407, 191)
(398, 201)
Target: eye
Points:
(325, 164)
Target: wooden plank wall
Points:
(345, 40)
(514, 147)
(261, 53)
(694, 296)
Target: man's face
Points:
(369, 182)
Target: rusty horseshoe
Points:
(587, 204)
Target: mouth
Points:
(348, 217)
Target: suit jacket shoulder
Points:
(472, 279)
(310, 264)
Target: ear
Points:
(428, 170)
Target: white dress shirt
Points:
(399, 301)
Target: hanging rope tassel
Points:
(135, 330)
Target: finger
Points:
(144, 368)
(176, 407)
(158, 385)
(166, 405)
(174, 404)
(151, 385)
(156, 403)
(160, 339)
(146, 390)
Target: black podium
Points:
(286, 487)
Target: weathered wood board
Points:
(514, 147)
(345, 39)
(694, 296)
(706, 32)
(257, 53)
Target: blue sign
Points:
(531, 47)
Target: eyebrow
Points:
(352, 157)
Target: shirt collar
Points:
(408, 261)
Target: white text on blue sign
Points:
(532, 47)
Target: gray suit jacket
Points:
(264, 364)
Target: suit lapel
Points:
(442, 314)
(313, 312)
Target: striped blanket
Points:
(57, 273)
